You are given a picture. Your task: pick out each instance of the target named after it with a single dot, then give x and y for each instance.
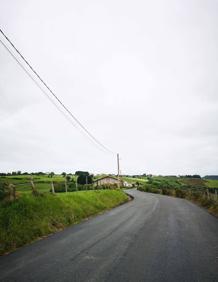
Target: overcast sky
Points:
(142, 76)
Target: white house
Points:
(107, 180)
(127, 184)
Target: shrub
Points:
(155, 191)
(85, 187)
(180, 193)
(141, 188)
(3, 192)
(106, 186)
(168, 192)
(149, 188)
(207, 203)
(196, 195)
(60, 187)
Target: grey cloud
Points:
(141, 76)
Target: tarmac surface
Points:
(152, 238)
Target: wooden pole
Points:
(118, 170)
(12, 192)
(34, 191)
(66, 183)
(52, 187)
(208, 194)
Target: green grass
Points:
(212, 183)
(134, 180)
(42, 182)
(29, 218)
(15, 179)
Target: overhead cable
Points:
(65, 108)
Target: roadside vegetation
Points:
(201, 191)
(30, 217)
(33, 205)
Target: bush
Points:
(85, 187)
(196, 195)
(3, 192)
(106, 186)
(180, 193)
(155, 191)
(168, 192)
(149, 188)
(207, 203)
(60, 187)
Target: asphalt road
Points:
(152, 238)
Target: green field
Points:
(212, 183)
(42, 183)
(176, 182)
(134, 179)
(29, 217)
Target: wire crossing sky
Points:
(93, 138)
(141, 74)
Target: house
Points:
(127, 184)
(107, 180)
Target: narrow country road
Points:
(152, 238)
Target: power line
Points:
(46, 94)
(37, 83)
(93, 138)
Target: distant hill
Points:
(212, 177)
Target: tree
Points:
(85, 179)
(68, 178)
(51, 174)
(82, 173)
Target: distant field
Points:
(22, 182)
(194, 182)
(134, 180)
(43, 182)
(173, 182)
(212, 183)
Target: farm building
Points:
(127, 184)
(111, 180)
(107, 180)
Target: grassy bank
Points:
(29, 218)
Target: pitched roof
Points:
(108, 176)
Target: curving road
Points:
(152, 238)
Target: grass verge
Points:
(30, 218)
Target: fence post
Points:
(12, 192)
(66, 184)
(34, 191)
(52, 187)
(208, 194)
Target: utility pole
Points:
(76, 183)
(118, 170)
(65, 182)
